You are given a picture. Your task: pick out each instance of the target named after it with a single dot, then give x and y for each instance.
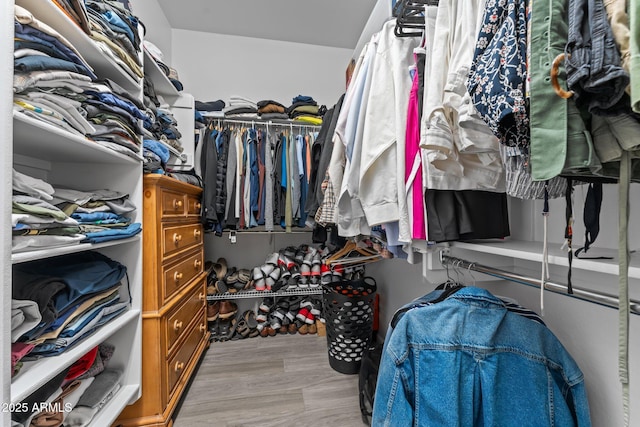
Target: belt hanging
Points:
(568, 231)
(545, 247)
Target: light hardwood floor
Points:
(276, 381)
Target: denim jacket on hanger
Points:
(468, 361)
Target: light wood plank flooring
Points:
(278, 381)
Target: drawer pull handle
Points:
(179, 366)
(197, 264)
(201, 296)
(177, 276)
(177, 204)
(177, 325)
(196, 234)
(177, 238)
(202, 327)
(198, 205)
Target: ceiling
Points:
(334, 23)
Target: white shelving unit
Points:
(532, 251)
(34, 374)
(20, 257)
(161, 82)
(103, 65)
(182, 105)
(69, 160)
(61, 145)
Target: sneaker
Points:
(258, 278)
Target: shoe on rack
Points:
(237, 279)
(300, 253)
(303, 328)
(264, 309)
(232, 276)
(213, 311)
(315, 308)
(220, 268)
(259, 278)
(274, 325)
(290, 252)
(221, 287)
(244, 275)
(272, 259)
(228, 309)
(272, 278)
(285, 261)
(211, 289)
(313, 329)
(305, 315)
(305, 267)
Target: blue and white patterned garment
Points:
(498, 73)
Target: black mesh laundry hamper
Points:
(348, 311)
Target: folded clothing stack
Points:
(269, 109)
(158, 57)
(54, 84)
(115, 31)
(241, 107)
(217, 105)
(305, 109)
(209, 109)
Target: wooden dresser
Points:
(174, 324)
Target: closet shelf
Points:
(35, 138)
(107, 415)
(161, 83)
(34, 375)
(175, 153)
(103, 65)
(532, 251)
(20, 257)
(264, 294)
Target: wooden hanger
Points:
(352, 254)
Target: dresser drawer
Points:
(172, 203)
(179, 319)
(178, 363)
(176, 276)
(179, 238)
(193, 206)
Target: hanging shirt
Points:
(268, 185)
(461, 151)
(381, 174)
(413, 165)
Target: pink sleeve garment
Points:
(413, 164)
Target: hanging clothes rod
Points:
(272, 122)
(600, 298)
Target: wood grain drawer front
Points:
(179, 320)
(178, 238)
(173, 203)
(178, 275)
(179, 362)
(193, 206)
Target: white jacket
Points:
(382, 186)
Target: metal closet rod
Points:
(600, 298)
(272, 122)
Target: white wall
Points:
(588, 331)
(157, 25)
(216, 66)
(379, 15)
